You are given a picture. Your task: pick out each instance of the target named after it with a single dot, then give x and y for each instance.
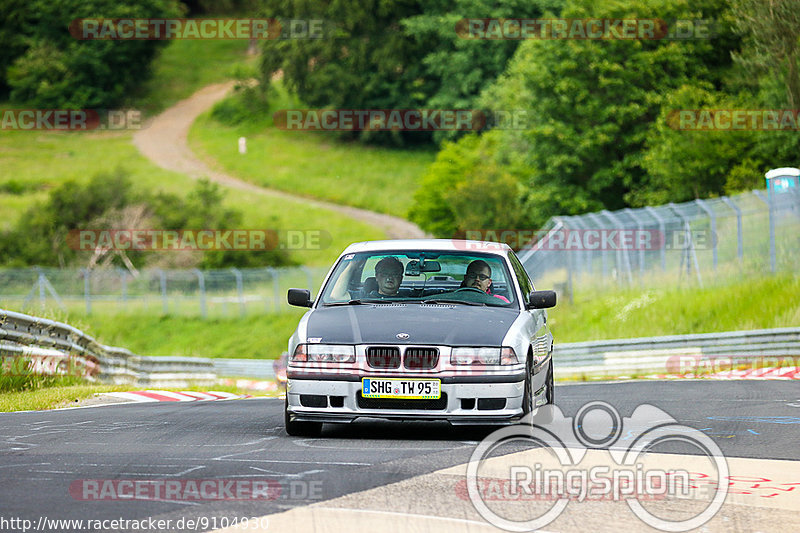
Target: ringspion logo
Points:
(623, 466)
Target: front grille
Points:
(396, 403)
(421, 358)
(383, 356)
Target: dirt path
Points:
(164, 141)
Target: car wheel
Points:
(299, 429)
(527, 396)
(550, 394)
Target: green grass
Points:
(70, 395)
(313, 164)
(43, 160)
(256, 337)
(177, 72)
(732, 305)
(39, 161)
(50, 397)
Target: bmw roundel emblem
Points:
(402, 336)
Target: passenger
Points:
(479, 276)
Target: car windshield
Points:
(421, 276)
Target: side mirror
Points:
(300, 297)
(541, 299)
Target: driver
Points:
(388, 276)
(479, 276)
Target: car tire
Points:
(527, 395)
(550, 394)
(299, 429)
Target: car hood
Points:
(454, 325)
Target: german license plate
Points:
(410, 389)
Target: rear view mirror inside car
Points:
(415, 268)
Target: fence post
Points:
(623, 258)
(768, 201)
(201, 283)
(309, 277)
(663, 229)
(689, 253)
(639, 226)
(123, 278)
(276, 288)
(603, 261)
(40, 281)
(164, 301)
(87, 287)
(710, 214)
(739, 229)
(239, 290)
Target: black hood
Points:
(458, 325)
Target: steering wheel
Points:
(470, 289)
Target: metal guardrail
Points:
(251, 368)
(25, 336)
(697, 354)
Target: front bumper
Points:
(464, 401)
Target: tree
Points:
(55, 70)
(771, 30)
(365, 60)
(589, 105)
(461, 68)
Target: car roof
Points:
(443, 245)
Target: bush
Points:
(109, 201)
(55, 70)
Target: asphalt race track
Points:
(49, 457)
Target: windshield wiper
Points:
(441, 301)
(351, 302)
(355, 302)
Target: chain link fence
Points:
(697, 242)
(207, 293)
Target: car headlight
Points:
(324, 353)
(483, 356)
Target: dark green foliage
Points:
(597, 134)
(461, 68)
(46, 67)
(392, 55)
(110, 201)
(365, 60)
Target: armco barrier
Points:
(42, 340)
(251, 368)
(697, 354)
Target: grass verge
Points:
(51, 397)
(312, 164)
(253, 337)
(177, 73)
(56, 396)
(42, 160)
(736, 305)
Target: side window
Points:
(524, 281)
